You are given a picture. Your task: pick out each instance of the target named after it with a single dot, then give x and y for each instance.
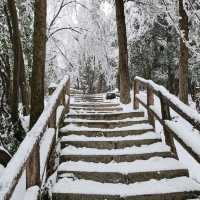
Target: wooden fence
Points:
(34, 152)
(168, 102)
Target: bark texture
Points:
(16, 67)
(23, 85)
(17, 51)
(6, 60)
(184, 54)
(123, 53)
(39, 52)
(16, 41)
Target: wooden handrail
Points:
(168, 101)
(28, 153)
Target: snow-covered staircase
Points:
(110, 154)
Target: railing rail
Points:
(168, 101)
(28, 154)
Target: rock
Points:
(110, 96)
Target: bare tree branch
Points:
(66, 28)
(62, 5)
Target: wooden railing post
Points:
(150, 102)
(165, 111)
(68, 93)
(52, 121)
(50, 167)
(68, 87)
(135, 92)
(33, 168)
(52, 124)
(62, 101)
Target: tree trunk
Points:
(8, 69)
(184, 54)
(16, 67)
(123, 53)
(15, 36)
(170, 67)
(118, 80)
(23, 85)
(39, 54)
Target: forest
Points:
(101, 44)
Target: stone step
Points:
(107, 116)
(128, 154)
(97, 108)
(135, 129)
(74, 98)
(80, 112)
(89, 96)
(180, 188)
(88, 99)
(93, 94)
(110, 142)
(95, 104)
(75, 91)
(125, 172)
(105, 123)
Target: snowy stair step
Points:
(108, 116)
(135, 119)
(97, 108)
(95, 104)
(110, 142)
(124, 172)
(89, 96)
(75, 92)
(135, 129)
(166, 189)
(127, 154)
(93, 100)
(106, 123)
(80, 112)
(88, 100)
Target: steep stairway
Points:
(107, 153)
